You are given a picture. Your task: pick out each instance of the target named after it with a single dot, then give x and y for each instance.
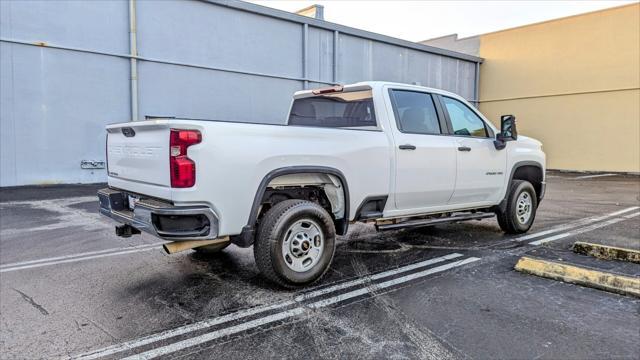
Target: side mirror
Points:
(508, 131)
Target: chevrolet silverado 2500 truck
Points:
(392, 154)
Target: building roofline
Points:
(307, 8)
(442, 37)
(455, 35)
(288, 16)
(539, 22)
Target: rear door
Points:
(425, 158)
(139, 152)
(480, 166)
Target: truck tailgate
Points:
(139, 152)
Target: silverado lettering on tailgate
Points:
(135, 151)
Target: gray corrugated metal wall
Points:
(65, 72)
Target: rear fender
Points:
(338, 184)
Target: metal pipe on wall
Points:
(305, 54)
(476, 86)
(160, 61)
(336, 38)
(133, 48)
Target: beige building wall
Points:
(573, 83)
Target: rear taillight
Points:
(183, 169)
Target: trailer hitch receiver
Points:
(126, 230)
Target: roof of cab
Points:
(369, 85)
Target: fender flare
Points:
(503, 203)
(246, 237)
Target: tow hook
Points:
(126, 230)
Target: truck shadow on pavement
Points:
(207, 285)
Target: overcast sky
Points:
(421, 20)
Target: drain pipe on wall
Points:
(133, 48)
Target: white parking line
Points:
(187, 343)
(135, 249)
(575, 224)
(389, 283)
(110, 350)
(377, 276)
(77, 257)
(592, 176)
(584, 229)
(217, 334)
(630, 216)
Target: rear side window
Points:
(415, 112)
(337, 110)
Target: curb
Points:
(606, 252)
(611, 282)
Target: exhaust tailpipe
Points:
(178, 246)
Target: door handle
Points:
(464, 148)
(407, 147)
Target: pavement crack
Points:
(99, 327)
(32, 302)
(176, 309)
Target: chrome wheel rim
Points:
(303, 245)
(524, 207)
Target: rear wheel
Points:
(295, 243)
(520, 211)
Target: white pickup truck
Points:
(392, 154)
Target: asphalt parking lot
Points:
(70, 288)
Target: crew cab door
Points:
(480, 166)
(425, 158)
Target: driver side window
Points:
(463, 120)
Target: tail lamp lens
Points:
(183, 169)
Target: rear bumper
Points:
(159, 218)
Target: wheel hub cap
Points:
(302, 245)
(524, 208)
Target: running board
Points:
(434, 221)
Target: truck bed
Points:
(233, 158)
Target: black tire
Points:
(211, 249)
(508, 220)
(268, 247)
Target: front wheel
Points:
(295, 244)
(520, 210)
